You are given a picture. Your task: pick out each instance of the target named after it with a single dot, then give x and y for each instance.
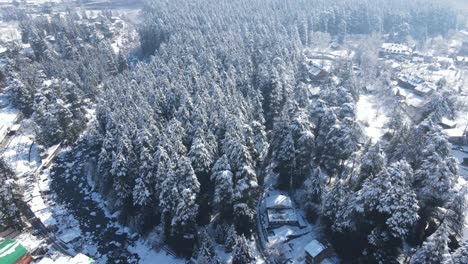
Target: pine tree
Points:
(9, 212)
(231, 238)
(220, 234)
(373, 161)
(223, 186)
(434, 250)
(314, 187)
(242, 253)
(460, 256)
(186, 210)
(435, 179)
(286, 162)
(390, 196)
(455, 214)
(206, 253)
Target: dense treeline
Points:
(70, 56)
(9, 191)
(400, 18)
(189, 133)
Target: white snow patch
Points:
(8, 115)
(148, 255)
(370, 114)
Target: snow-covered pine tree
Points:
(455, 214)
(9, 212)
(460, 256)
(435, 179)
(223, 187)
(434, 250)
(231, 238)
(186, 209)
(242, 253)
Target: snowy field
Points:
(8, 114)
(371, 116)
(149, 256)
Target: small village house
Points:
(317, 253)
(280, 211)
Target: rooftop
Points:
(282, 215)
(448, 122)
(11, 251)
(276, 200)
(314, 248)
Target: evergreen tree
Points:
(460, 256)
(9, 212)
(434, 249)
(231, 238)
(223, 186)
(242, 253)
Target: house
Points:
(280, 211)
(12, 252)
(317, 253)
(316, 72)
(395, 50)
(456, 136)
(409, 81)
(446, 123)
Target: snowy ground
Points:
(371, 116)
(9, 31)
(8, 113)
(149, 256)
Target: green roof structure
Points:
(11, 251)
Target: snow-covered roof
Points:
(396, 48)
(278, 201)
(78, 259)
(448, 122)
(15, 127)
(282, 216)
(70, 234)
(314, 90)
(314, 248)
(314, 70)
(411, 79)
(454, 132)
(414, 102)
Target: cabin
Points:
(456, 136)
(316, 72)
(12, 252)
(446, 123)
(280, 211)
(409, 81)
(395, 50)
(317, 253)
